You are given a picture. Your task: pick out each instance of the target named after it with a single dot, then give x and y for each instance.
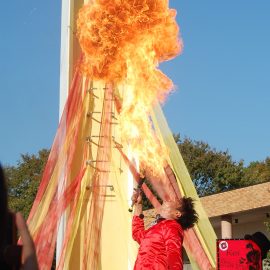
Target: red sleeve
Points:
(173, 237)
(137, 229)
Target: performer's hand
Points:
(136, 196)
(28, 254)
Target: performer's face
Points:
(170, 210)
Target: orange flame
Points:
(123, 41)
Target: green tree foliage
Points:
(214, 171)
(257, 172)
(23, 181)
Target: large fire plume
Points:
(123, 42)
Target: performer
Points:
(161, 245)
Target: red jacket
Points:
(160, 245)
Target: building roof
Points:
(238, 200)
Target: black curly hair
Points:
(189, 216)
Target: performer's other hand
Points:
(28, 254)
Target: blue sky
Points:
(222, 76)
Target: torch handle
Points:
(138, 189)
